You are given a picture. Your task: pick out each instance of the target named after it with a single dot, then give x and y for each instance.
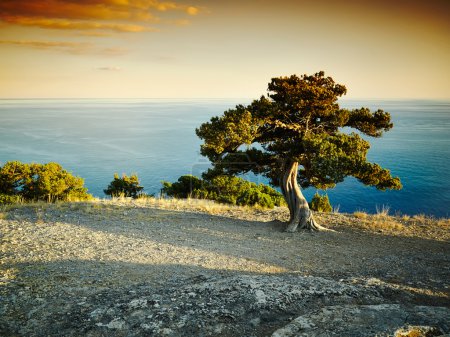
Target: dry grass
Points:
(383, 211)
(336, 209)
(444, 223)
(198, 205)
(398, 225)
(384, 223)
(420, 217)
(360, 215)
(405, 217)
(378, 222)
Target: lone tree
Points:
(128, 186)
(295, 137)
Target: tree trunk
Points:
(300, 215)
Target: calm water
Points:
(156, 139)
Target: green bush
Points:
(275, 196)
(254, 196)
(320, 203)
(9, 199)
(226, 199)
(224, 189)
(187, 186)
(127, 186)
(48, 182)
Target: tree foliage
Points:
(49, 182)
(298, 127)
(127, 186)
(321, 203)
(301, 120)
(224, 189)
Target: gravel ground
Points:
(54, 257)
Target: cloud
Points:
(130, 16)
(79, 25)
(192, 10)
(109, 68)
(66, 47)
(113, 51)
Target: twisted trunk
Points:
(300, 214)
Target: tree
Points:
(126, 186)
(49, 182)
(294, 137)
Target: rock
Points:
(418, 331)
(242, 305)
(115, 324)
(137, 303)
(380, 320)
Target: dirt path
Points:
(55, 256)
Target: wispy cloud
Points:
(113, 51)
(130, 16)
(78, 25)
(66, 47)
(109, 68)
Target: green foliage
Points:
(48, 182)
(127, 186)
(224, 189)
(300, 122)
(276, 197)
(321, 203)
(187, 186)
(9, 199)
(254, 196)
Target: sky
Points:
(379, 49)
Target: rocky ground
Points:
(193, 269)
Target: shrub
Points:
(224, 189)
(254, 196)
(276, 196)
(186, 186)
(265, 200)
(48, 182)
(321, 203)
(226, 199)
(9, 199)
(125, 186)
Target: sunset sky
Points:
(221, 48)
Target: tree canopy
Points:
(296, 135)
(49, 182)
(127, 186)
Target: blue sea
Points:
(155, 138)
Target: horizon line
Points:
(209, 98)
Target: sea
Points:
(155, 138)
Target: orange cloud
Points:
(116, 15)
(78, 25)
(69, 47)
(192, 10)
(66, 47)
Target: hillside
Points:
(195, 268)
